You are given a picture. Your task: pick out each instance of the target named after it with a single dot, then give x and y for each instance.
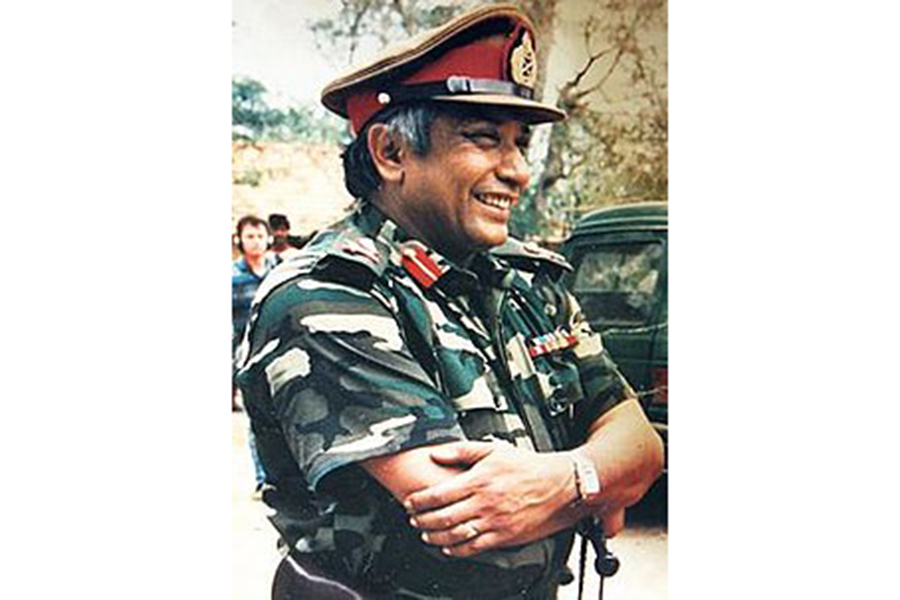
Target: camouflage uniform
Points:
(368, 344)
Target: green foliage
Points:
(251, 177)
(252, 119)
(249, 112)
(525, 220)
(610, 158)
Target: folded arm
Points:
(468, 497)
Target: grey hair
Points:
(411, 122)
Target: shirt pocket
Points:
(553, 378)
(560, 384)
(483, 410)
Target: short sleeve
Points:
(341, 380)
(604, 384)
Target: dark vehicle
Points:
(620, 255)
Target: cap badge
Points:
(523, 62)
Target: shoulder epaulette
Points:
(341, 255)
(344, 254)
(361, 250)
(529, 256)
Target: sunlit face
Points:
(253, 240)
(458, 199)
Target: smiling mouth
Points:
(501, 201)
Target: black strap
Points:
(606, 564)
(455, 85)
(582, 565)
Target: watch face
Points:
(587, 479)
(591, 481)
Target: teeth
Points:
(496, 200)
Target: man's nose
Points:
(514, 168)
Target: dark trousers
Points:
(296, 581)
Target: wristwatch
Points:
(587, 481)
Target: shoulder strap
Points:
(528, 256)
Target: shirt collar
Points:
(426, 265)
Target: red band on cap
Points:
(484, 59)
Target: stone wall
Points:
(303, 181)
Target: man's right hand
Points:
(507, 496)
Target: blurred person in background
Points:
(252, 238)
(284, 244)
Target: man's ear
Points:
(387, 153)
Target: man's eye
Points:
(483, 137)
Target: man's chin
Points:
(481, 240)
(497, 236)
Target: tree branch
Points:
(355, 25)
(615, 63)
(409, 25)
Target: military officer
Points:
(433, 411)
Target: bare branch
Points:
(576, 81)
(355, 26)
(575, 166)
(406, 18)
(612, 67)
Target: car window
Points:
(616, 284)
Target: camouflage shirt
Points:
(369, 343)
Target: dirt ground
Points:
(642, 548)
